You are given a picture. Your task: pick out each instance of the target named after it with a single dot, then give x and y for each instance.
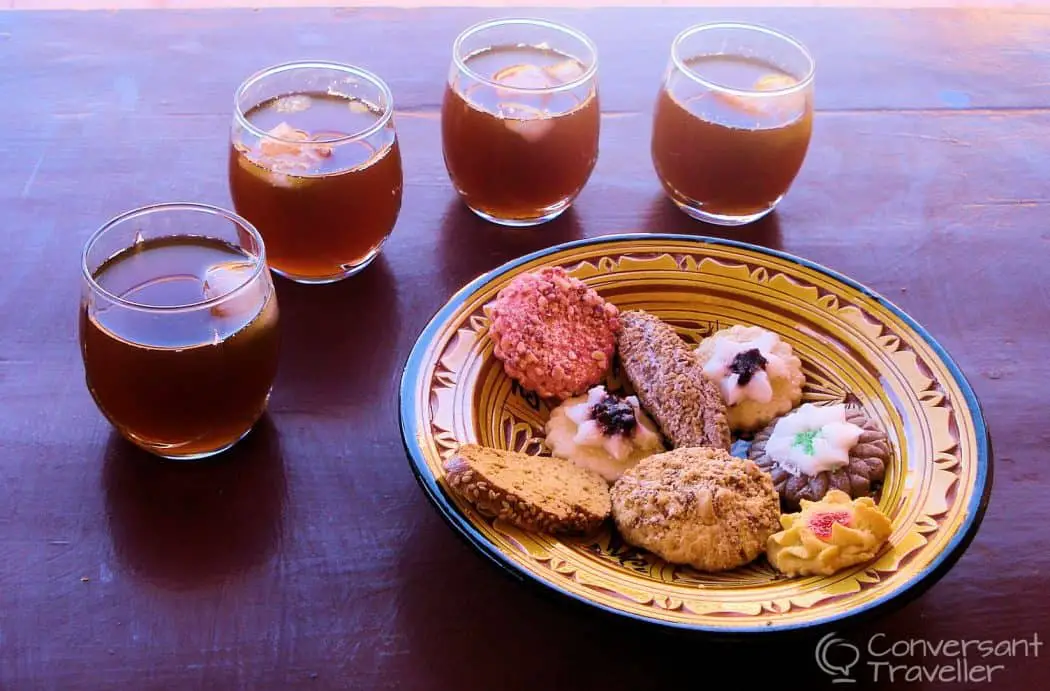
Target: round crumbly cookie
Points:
(758, 373)
(697, 506)
(860, 477)
(554, 334)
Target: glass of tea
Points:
(733, 121)
(519, 121)
(315, 165)
(179, 327)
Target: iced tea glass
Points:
(519, 121)
(733, 121)
(178, 327)
(314, 163)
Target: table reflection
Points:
(183, 525)
(469, 246)
(338, 342)
(664, 217)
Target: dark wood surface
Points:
(307, 558)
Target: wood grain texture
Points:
(307, 558)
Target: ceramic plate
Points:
(855, 346)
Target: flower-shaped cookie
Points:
(828, 535)
(817, 448)
(758, 374)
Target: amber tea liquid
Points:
(182, 382)
(322, 209)
(515, 155)
(726, 154)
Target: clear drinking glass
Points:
(520, 119)
(733, 121)
(179, 327)
(314, 163)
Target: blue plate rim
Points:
(918, 584)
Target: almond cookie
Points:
(532, 492)
(554, 334)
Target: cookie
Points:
(758, 374)
(602, 432)
(816, 449)
(554, 334)
(697, 506)
(669, 380)
(828, 536)
(532, 492)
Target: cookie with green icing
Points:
(818, 448)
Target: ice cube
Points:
(284, 142)
(787, 106)
(524, 77)
(296, 103)
(267, 175)
(287, 151)
(359, 107)
(531, 130)
(774, 82)
(564, 72)
(286, 131)
(529, 122)
(519, 111)
(226, 277)
(784, 107)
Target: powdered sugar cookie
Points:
(758, 373)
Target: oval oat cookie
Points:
(670, 382)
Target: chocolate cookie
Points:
(861, 476)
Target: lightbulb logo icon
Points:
(835, 657)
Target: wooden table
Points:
(307, 558)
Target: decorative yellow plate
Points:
(852, 343)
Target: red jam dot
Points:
(821, 523)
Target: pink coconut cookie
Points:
(555, 335)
